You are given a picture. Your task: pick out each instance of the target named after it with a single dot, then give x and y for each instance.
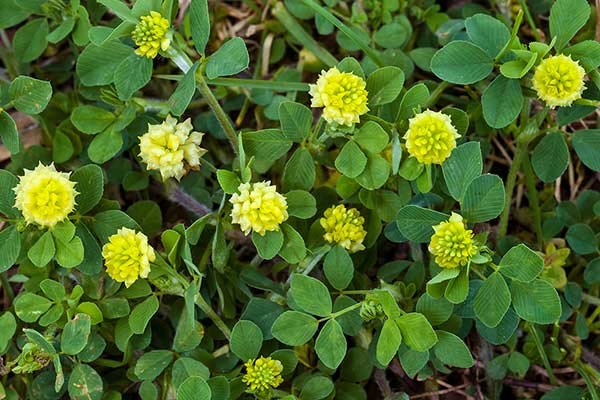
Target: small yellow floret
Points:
(45, 196)
(344, 227)
(558, 81)
(171, 148)
(258, 207)
(263, 374)
(452, 244)
(127, 256)
(342, 94)
(430, 137)
(151, 34)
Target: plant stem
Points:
(342, 312)
(204, 306)
(437, 92)
(510, 186)
(540, 347)
(534, 201)
(583, 370)
(8, 290)
(588, 298)
(530, 20)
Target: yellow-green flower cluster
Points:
(151, 34)
(558, 81)
(258, 207)
(452, 243)
(263, 374)
(32, 358)
(45, 196)
(127, 256)
(172, 148)
(431, 137)
(342, 95)
(344, 227)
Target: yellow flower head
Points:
(430, 137)
(344, 227)
(127, 256)
(171, 148)
(263, 374)
(151, 34)
(452, 244)
(45, 196)
(342, 94)
(558, 80)
(258, 207)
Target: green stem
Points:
(543, 355)
(530, 20)
(511, 180)
(583, 370)
(436, 93)
(278, 86)
(588, 298)
(298, 32)
(341, 312)
(534, 201)
(8, 290)
(345, 30)
(204, 306)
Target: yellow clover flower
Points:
(127, 256)
(344, 227)
(45, 196)
(452, 244)
(258, 207)
(151, 34)
(430, 137)
(558, 81)
(263, 374)
(172, 148)
(342, 94)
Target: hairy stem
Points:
(511, 180)
(534, 200)
(204, 306)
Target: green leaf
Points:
(194, 388)
(269, 244)
(85, 383)
(301, 204)
(550, 157)
(375, 174)
(91, 119)
(9, 133)
(416, 331)
(30, 40)
(412, 361)
(30, 95)
(462, 167)
(7, 195)
(462, 63)
(90, 185)
(416, 223)
(11, 13)
(105, 146)
(488, 33)
(42, 251)
(536, 301)
(452, 351)
(294, 328)
(120, 9)
(299, 172)
(371, 137)
(266, 145)
(62, 148)
(587, 146)
(141, 314)
(518, 363)
(296, 120)
(183, 94)
(503, 331)
(517, 69)
(10, 247)
(69, 254)
(384, 85)
(351, 161)
(96, 64)
(294, 248)
(338, 268)
(246, 340)
(75, 335)
(414, 99)
(582, 239)
(437, 311)
(521, 263)
(53, 289)
(502, 102)
(132, 74)
(316, 388)
(228, 180)
(62, 30)
(8, 327)
(311, 295)
(586, 52)
(231, 58)
(331, 344)
(457, 288)
(150, 365)
(388, 342)
(483, 199)
(492, 300)
(199, 24)
(29, 307)
(567, 17)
